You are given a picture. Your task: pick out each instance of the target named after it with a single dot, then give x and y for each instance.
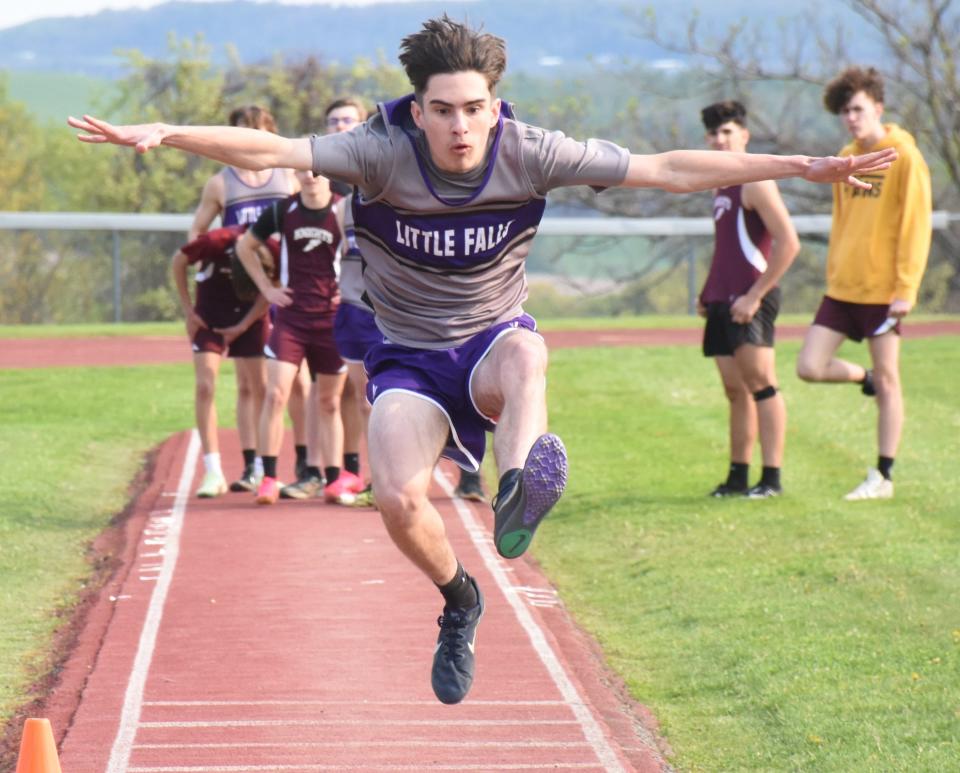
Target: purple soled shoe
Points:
(525, 501)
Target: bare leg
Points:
(816, 361)
(206, 367)
(251, 385)
(280, 376)
(757, 366)
(326, 397)
(407, 435)
(743, 410)
(511, 382)
(885, 352)
(356, 410)
(297, 404)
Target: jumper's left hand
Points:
(141, 136)
(842, 169)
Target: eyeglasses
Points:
(346, 120)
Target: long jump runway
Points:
(297, 638)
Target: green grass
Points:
(92, 329)
(72, 440)
(803, 633)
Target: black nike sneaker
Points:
(726, 490)
(453, 660)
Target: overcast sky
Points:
(13, 13)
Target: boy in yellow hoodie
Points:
(879, 242)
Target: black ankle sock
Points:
(770, 477)
(301, 453)
(508, 479)
(737, 477)
(331, 474)
(249, 455)
(269, 467)
(885, 466)
(459, 592)
(351, 463)
(314, 471)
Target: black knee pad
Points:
(764, 394)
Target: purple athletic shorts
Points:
(248, 344)
(856, 320)
(443, 377)
(355, 332)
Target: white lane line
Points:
(365, 767)
(133, 698)
(482, 541)
(364, 722)
(432, 704)
(370, 744)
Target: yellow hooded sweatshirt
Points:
(880, 238)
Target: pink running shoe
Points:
(344, 490)
(269, 491)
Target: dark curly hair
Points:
(841, 89)
(444, 46)
(719, 113)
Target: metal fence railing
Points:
(72, 266)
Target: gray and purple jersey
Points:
(243, 203)
(443, 254)
(351, 261)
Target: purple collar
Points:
(398, 114)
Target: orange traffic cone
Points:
(38, 752)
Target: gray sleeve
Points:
(553, 160)
(360, 157)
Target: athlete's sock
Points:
(507, 480)
(301, 454)
(269, 467)
(738, 475)
(249, 454)
(885, 466)
(211, 463)
(351, 463)
(314, 471)
(459, 592)
(331, 474)
(770, 477)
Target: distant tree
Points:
(918, 44)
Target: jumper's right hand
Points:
(141, 136)
(701, 309)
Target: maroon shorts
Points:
(856, 320)
(293, 341)
(249, 344)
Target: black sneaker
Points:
(726, 490)
(300, 470)
(306, 488)
(535, 490)
(867, 386)
(764, 491)
(246, 482)
(453, 660)
(470, 487)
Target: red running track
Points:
(297, 638)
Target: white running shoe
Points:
(874, 487)
(213, 485)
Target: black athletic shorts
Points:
(722, 335)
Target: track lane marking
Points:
(133, 696)
(482, 542)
